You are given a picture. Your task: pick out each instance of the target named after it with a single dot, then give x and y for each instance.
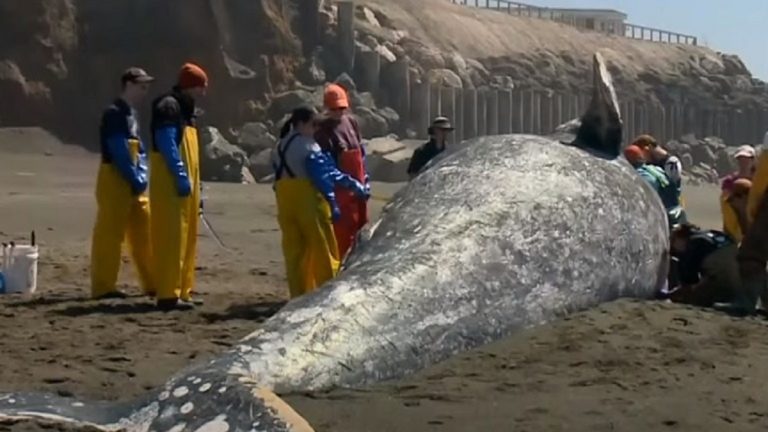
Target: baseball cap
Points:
(136, 75)
(745, 151)
(442, 123)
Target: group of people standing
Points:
(724, 269)
(321, 188)
(152, 202)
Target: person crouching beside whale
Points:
(123, 205)
(305, 180)
(656, 177)
(707, 266)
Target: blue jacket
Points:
(118, 126)
(667, 190)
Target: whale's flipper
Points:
(198, 405)
(601, 124)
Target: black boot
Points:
(167, 305)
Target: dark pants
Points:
(753, 255)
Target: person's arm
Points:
(117, 144)
(167, 138)
(325, 176)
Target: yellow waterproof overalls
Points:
(309, 244)
(120, 216)
(174, 222)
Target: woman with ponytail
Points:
(305, 179)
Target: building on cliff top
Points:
(603, 20)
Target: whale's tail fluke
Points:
(600, 127)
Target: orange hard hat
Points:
(634, 154)
(335, 97)
(644, 141)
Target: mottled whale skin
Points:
(505, 233)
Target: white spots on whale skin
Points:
(11, 401)
(169, 411)
(178, 428)
(192, 378)
(205, 387)
(218, 424)
(78, 404)
(197, 381)
(222, 390)
(163, 396)
(180, 391)
(187, 408)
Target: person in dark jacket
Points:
(438, 133)
(707, 267)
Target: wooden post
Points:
(505, 112)
(482, 113)
(528, 115)
(448, 108)
(492, 100)
(420, 108)
(369, 65)
(346, 34)
(399, 80)
(470, 113)
(518, 125)
(434, 103)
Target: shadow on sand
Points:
(257, 312)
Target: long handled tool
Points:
(213, 232)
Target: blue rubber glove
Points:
(335, 212)
(166, 139)
(121, 159)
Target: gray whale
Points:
(505, 233)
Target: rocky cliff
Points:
(60, 59)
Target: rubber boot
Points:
(745, 300)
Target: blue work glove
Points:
(139, 186)
(335, 212)
(183, 186)
(360, 190)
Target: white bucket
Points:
(20, 268)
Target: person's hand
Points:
(367, 189)
(335, 213)
(139, 186)
(362, 191)
(183, 186)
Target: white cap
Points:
(745, 151)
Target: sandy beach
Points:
(626, 366)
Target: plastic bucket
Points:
(20, 269)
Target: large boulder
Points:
(255, 137)
(702, 154)
(260, 164)
(371, 123)
(444, 78)
(287, 101)
(724, 162)
(220, 160)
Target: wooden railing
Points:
(631, 31)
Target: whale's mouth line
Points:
(53, 419)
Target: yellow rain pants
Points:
(309, 245)
(174, 222)
(120, 216)
(731, 224)
(759, 186)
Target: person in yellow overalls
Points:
(305, 183)
(121, 199)
(174, 189)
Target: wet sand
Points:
(625, 366)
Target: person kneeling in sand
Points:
(708, 271)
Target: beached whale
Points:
(505, 233)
